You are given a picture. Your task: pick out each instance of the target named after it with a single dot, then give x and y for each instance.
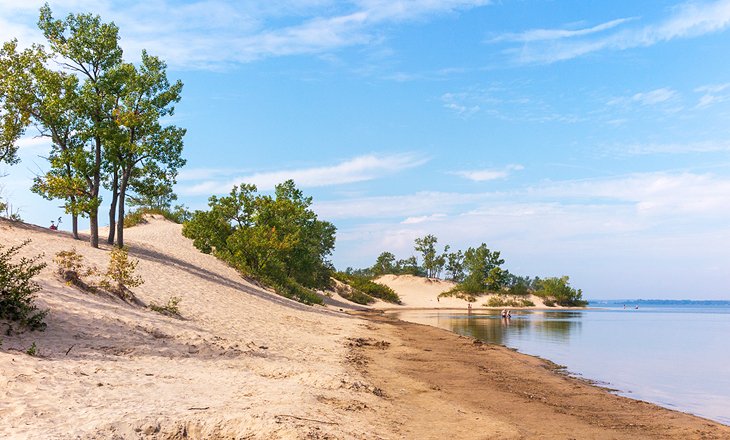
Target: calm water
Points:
(674, 354)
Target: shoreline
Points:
(499, 392)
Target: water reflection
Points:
(492, 328)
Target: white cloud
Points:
(689, 20)
(216, 33)
(358, 169)
(655, 96)
(489, 174)
(423, 219)
(556, 34)
(675, 148)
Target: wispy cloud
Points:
(688, 20)
(556, 34)
(358, 169)
(484, 175)
(713, 94)
(216, 33)
(640, 149)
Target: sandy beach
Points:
(244, 363)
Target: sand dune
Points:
(244, 363)
(243, 359)
(423, 293)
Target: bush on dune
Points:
(17, 289)
(368, 287)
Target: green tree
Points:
(427, 247)
(141, 146)
(483, 270)
(455, 266)
(409, 266)
(384, 264)
(278, 239)
(15, 81)
(88, 49)
(559, 290)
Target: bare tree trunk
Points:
(113, 208)
(94, 212)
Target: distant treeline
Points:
(477, 271)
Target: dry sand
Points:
(244, 363)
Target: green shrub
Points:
(119, 276)
(72, 270)
(178, 215)
(503, 301)
(293, 290)
(169, 309)
(368, 287)
(354, 295)
(17, 289)
(456, 292)
(558, 290)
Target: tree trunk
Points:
(113, 208)
(122, 196)
(75, 225)
(96, 184)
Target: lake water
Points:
(675, 354)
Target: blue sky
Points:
(589, 139)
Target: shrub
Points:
(368, 287)
(293, 290)
(119, 276)
(558, 290)
(456, 292)
(502, 301)
(354, 295)
(72, 269)
(178, 214)
(17, 289)
(169, 309)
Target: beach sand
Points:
(244, 363)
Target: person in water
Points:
(504, 313)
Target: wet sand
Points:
(442, 385)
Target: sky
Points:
(588, 139)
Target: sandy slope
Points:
(246, 364)
(242, 360)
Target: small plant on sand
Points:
(505, 301)
(32, 350)
(119, 276)
(72, 270)
(169, 309)
(17, 289)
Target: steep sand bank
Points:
(244, 363)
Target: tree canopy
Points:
(102, 116)
(277, 239)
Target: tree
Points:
(455, 266)
(142, 147)
(89, 49)
(15, 81)
(384, 264)
(408, 266)
(483, 270)
(559, 290)
(427, 247)
(277, 239)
